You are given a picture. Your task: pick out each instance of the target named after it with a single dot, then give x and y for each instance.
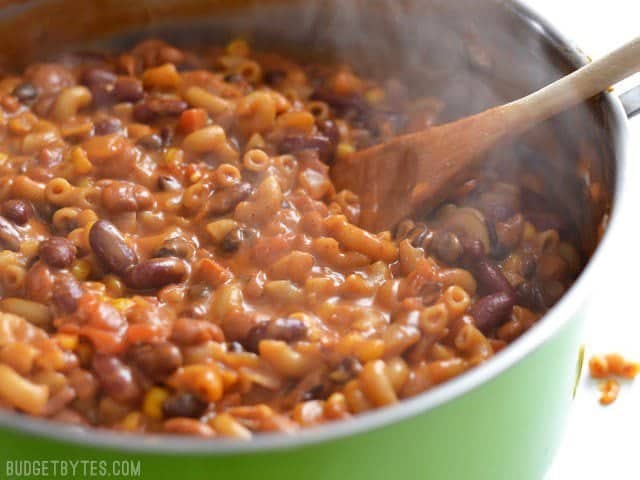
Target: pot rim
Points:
(553, 321)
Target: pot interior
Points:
(471, 54)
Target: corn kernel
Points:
(81, 269)
(374, 96)
(173, 156)
(29, 248)
(114, 285)
(67, 341)
(153, 400)
(345, 149)
(3, 158)
(239, 48)
(123, 304)
(131, 422)
(529, 231)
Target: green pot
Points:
(504, 419)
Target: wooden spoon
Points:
(418, 170)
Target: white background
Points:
(604, 442)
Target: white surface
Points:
(602, 442)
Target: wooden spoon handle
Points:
(582, 84)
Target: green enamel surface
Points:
(507, 429)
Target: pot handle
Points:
(631, 101)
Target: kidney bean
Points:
(39, 282)
(446, 246)
(97, 76)
(49, 78)
(66, 293)
(18, 211)
(285, 329)
(116, 378)
(177, 247)
(10, 238)
(128, 89)
(156, 107)
(183, 404)
(25, 92)
(492, 311)
(296, 143)
(107, 125)
(100, 83)
(156, 360)
(118, 197)
(156, 273)
(490, 278)
(224, 200)
(110, 247)
(188, 331)
(57, 252)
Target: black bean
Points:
(233, 240)
(530, 295)
(57, 252)
(17, 211)
(446, 246)
(116, 378)
(110, 247)
(10, 238)
(25, 92)
(155, 360)
(128, 89)
(492, 311)
(315, 393)
(347, 369)
(226, 199)
(177, 247)
(107, 125)
(168, 184)
(183, 404)
(66, 293)
(156, 273)
(153, 142)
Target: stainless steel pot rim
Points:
(553, 321)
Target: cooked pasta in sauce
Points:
(175, 257)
